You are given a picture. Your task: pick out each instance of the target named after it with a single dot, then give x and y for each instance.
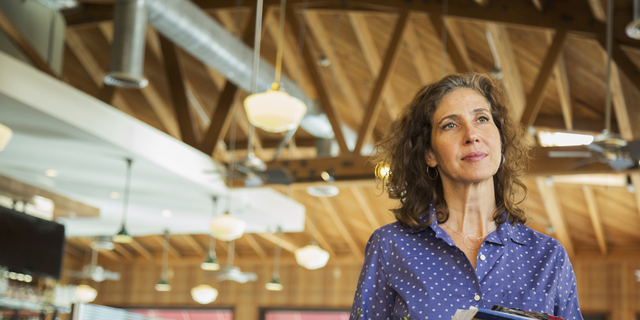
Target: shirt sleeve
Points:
(374, 299)
(567, 303)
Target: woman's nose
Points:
(471, 135)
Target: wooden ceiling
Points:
(381, 52)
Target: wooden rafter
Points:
(327, 106)
(141, 250)
(541, 5)
(122, 251)
(282, 242)
(256, 246)
(364, 206)
(193, 243)
(554, 212)
(625, 65)
(175, 77)
(374, 61)
(24, 45)
(455, 52)
(562, 83)
(511, 79)
(534, 101)
(594, 214)
(322, 241)
(373, 106)
(624, 96)
(342, 229)
(635, 179)
(69, 249)
(422, 66)
(172, 249)
(597, 9)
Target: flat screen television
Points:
(30, 245)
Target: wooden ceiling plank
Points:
(623, 98)
(150, 93)
(554, 212)
(511, 80)
(317, 235)
(141, 250)
(346, 235)
(172, 249)
(455, 34)
(628, 68)
(373, 106)
(342, 81)
(284, 244)
(107, 94)
(374, 61)
(481, 3)
(256, 246)
(534, 101)
(121, 250)
(175, 77)
(364, 206)
(68, 249)
(562, 83)
(455, 53)
(594, 214)
(331, 111)
(106, 253)
(635, 179)
(24, 45)
(418, 57)
(193, 243)
(597, 9)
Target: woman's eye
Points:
(449, 126)
(483, 119)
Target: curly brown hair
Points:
(404, 146)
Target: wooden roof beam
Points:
(175, 78)
(624, 96)
(193, 243)
(554, 212)
(373, 106)
(371, 55)
(141, 250)
(122, 251)
(172, 249)
(364, 206)
(562, 83)
(597, 9)
(346, 235)
(635, 179)
(534, 101)
(594, 214)
(256, 246)
(284, 244)
(455, 52)
(511, 80)
(327, 106)
(423, 67)
(317, 235)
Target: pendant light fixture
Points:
(273, 110)
(211, 263)
(123, 236)
(312, 256)
(163, 284)
(275, 284)
(86, 293)
(5, 136)
(227, 227)
(204, 294)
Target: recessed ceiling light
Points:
(51, 173)
(114, 194)
(166, 213)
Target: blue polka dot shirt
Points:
(424, 275)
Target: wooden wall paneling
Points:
(373, 106)
(595, 219)
(562, 82)
(25, 46)
(151, 94)
(552, 206)
(326, 103)
(534, 101)
(372, 56)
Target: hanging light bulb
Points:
(227, 227)
(273, 110)
(5, 136)
(274, 284)
(86, 293)
(312, 257)
(210, 262)
(204, 294)
(163, 283)
(123, 236)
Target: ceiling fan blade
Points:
(633, 147)
(570, 154)
(583, 162)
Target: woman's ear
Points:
(430, 158)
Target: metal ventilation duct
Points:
(127, 49)
(194, 31)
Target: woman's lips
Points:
(475, 156)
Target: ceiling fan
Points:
(93, 271)
(233, 273)
(608, 148)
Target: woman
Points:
(460, 239)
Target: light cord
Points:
(609, 43)
(276, 84)
(127, 186)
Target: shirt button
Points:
(482, 257)
(476, 297)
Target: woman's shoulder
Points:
(537, 240)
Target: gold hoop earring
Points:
(428, 175)
(503, 161)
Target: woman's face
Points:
(465, 140)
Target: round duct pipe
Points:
(127, 49)
(633, 28)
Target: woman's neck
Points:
(471, 207)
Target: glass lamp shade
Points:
(227, 227)
(204, 294)
(122, 236)
(210, 264)
(163, 285)
(274, 285)
(274, 111)
(5, 136)
(85, 293)
(312, 257)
